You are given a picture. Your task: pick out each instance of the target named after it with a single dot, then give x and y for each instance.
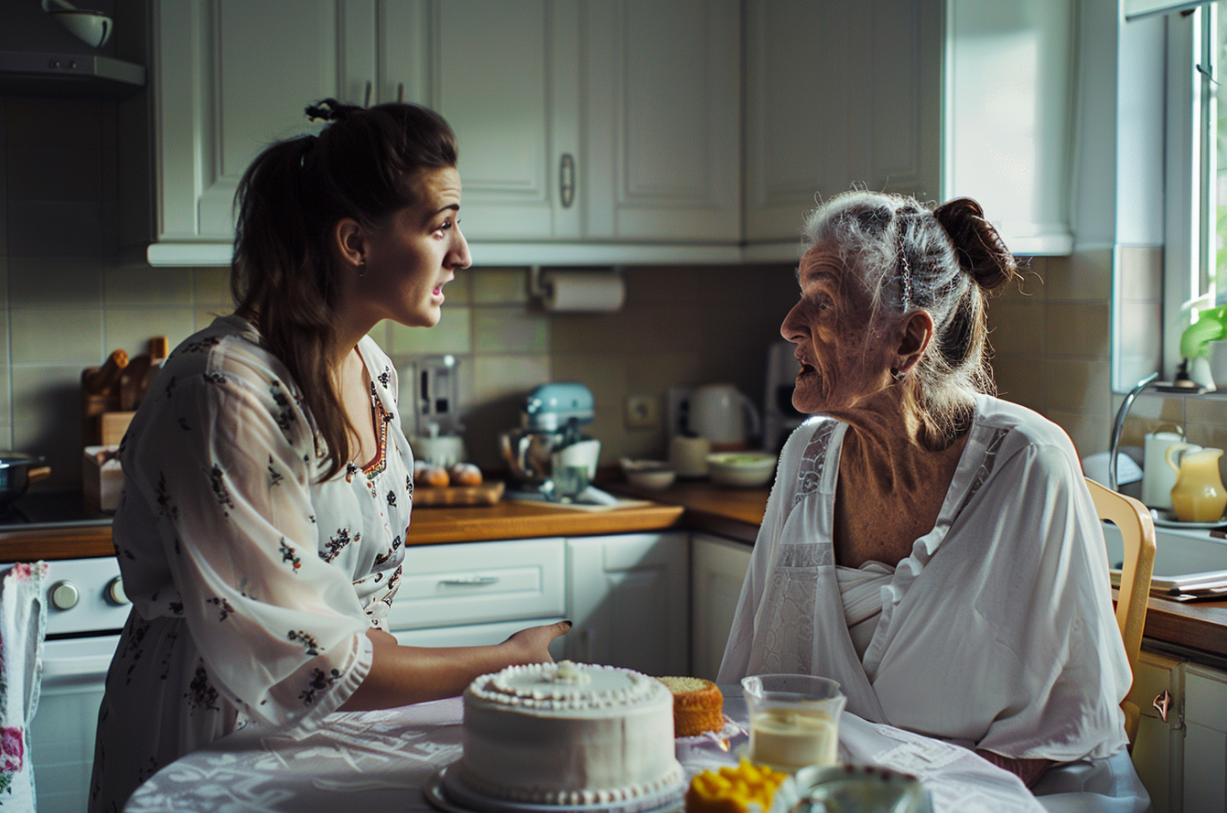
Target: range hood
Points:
(68, 75)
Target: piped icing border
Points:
(561, 687)
(671, 780)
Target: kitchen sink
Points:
(1184, 560)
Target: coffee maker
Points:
(550, 421)
(780, 417)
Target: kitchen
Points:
(701, 307)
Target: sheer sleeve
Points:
(227, 461)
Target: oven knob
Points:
(115, 591)
(64, 595)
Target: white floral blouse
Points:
(252, 584)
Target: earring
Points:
(897, 374)
(362, 267)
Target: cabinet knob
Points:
(566, 180)
(115, 591)
(64, 595)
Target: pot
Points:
(17, 471)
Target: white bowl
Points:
(653, 475)
(741, 469)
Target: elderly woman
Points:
(930, 547)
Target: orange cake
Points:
(698, 705)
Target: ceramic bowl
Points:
(650, 474)
(741, 469)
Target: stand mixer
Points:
(549, 458)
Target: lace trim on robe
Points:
(813, 461)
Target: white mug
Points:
(1157, 477)
(688, 456)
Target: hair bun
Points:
(331, 110)
(977, 245)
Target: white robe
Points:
(252, 584)
(997, 632)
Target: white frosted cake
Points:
(570, 734)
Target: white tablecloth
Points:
(380, 760)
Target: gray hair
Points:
(945, 261)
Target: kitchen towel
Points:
(23, 622)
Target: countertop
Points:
(733, 513)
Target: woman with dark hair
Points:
(932, 548)
(267, 482)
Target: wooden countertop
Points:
(526, 520)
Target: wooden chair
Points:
(1137, 528)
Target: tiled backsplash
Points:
(65, 304)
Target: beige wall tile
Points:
(460, 290)
(589, 333)
(1030, 285)
(501, 376)
(498, 286)
(55, 282)
(56, 336)
(211, 286)
(452, 334)
(54, 228)
(657, 372)
(380, 333)
(61, 122)
(1077, 329)
(510, 330)
(130, 285)
(1086, 275)
(665, 329)
(1141, 273)
(1090, 434)
(1021, 379)
(205, 316)
(47, 419)
(653, 285)
(1206, 410)
(132, 328)
(1017, 326)
(46, 171)
(604, 374)
(1077, 385)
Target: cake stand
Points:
(448, 793)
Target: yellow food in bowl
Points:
(734, 790)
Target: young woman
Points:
(267, 483)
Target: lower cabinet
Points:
(477, 635)
(1181, 760)
(718, 568)
(628, 596)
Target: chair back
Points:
(1137, 529)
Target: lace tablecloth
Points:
(380, 760)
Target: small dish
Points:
(1166, 519)
(741, 469)
(653, 475)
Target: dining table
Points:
(383, 760)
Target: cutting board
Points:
(484, 494)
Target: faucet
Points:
(1119, 425)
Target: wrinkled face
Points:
(841, 363)
(416, 252)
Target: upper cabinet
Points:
(580, 123)
(934, 98)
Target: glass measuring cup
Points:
(794, 720)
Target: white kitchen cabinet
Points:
(718, 569)
(1159, 748)
(936, 98)
(628, 599)
(477, 635)
(1205, 740)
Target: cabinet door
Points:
(1158, 750)
(718, 568)
(234, 75)
(838, 92)
(1205, 741)
(627, 596)
(662, 102)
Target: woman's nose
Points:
(791, 328)
(461, 257)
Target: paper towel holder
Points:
(539, 289)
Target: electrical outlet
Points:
(642, 412)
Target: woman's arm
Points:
(403, 675)
(1028, 770)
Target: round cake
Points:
(570, 734)
(698, 705)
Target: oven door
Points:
(61, 734)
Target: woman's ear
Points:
(914, 338)
(349, 242)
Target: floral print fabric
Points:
(23, 623)
(252, 584)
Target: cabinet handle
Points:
(469, 581)
(1162, 703)
(367, 101)
(566, 180)
(400, 91)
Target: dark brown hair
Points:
(946, 261)
(363, 165)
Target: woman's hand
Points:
(532, 645)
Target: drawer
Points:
(476, 634)
(480, 583)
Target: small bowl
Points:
(653, 475)
(741, 469)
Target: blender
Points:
(550, 459)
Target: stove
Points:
(53, 509)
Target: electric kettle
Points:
(720, 413)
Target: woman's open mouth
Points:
(806, 370)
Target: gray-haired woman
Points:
(932, 548)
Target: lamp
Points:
(91, 27)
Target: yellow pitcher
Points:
(1198, 495)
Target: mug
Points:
(1157, 478)
(688, 456)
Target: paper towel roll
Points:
(583, 291)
